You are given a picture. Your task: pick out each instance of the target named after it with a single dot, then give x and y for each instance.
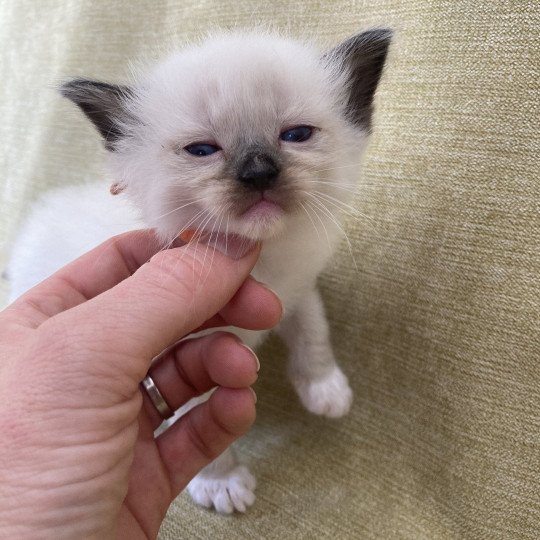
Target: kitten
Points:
(249, 134)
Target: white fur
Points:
(224, 485)
(233, 89)
(64, 224)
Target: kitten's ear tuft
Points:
(104, 104)
(362, 57)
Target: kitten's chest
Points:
(290, 267)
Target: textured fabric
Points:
(438, 328)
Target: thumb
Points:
(165, 299)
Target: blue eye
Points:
(202, 150)
(297, 134)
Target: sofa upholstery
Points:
(437, 326)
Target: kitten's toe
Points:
(330, 396)
(229, 492)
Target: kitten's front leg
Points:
(322, 386)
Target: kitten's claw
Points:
(226, 493)
(330, 396)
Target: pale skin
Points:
(77, 454)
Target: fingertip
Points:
(229, 362)
(254, 307)
(234, 409)
(278, 305)
(253, 356)
(271, 301)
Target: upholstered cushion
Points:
(437, 324)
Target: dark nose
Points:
(258, 171)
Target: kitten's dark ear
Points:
(363, 57)
(104, 104)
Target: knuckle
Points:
(55, 337)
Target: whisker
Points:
(361, 184)
(201, 213)
(193, 201)
(351, 190)
(227, 234)
(356, 214)
(393, 186)
(349, 185)
(333, 219)
(321, 222)
(218, 230)
(214, 226)
(310, 219)
(336, 202)
(200, 230)
(339, 167)
(353, 213)
(166, 247)
(317, 196)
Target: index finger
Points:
(88, 276)
(164, 300)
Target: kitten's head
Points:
(244, 133)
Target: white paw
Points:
(330, 396)
(226, 493)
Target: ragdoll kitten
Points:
(249, 134)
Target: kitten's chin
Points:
(264, 219)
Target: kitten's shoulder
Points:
(61, 225)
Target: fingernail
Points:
(254, 394)
(274, 293)
(257, 363)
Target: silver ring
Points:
(156, 398)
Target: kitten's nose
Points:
(258, 171)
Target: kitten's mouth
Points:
(263, 211)
(256, 220)
(262, 215)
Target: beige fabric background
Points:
(438, 328)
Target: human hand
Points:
(77, 452)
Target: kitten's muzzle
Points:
(258, 171)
